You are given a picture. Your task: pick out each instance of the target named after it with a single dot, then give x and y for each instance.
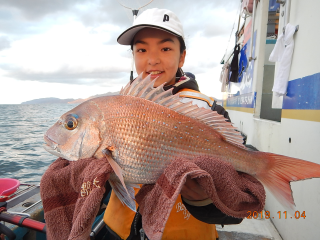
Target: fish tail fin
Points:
(282, 170)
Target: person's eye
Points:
(166, 49)
(141, 50)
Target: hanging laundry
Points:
(282, 53)
(234, 64)
(224, 77)
(243, 62)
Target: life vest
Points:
(181, 224)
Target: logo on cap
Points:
(166, 18)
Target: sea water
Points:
(21, 139)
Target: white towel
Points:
(282, 53)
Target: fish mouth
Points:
(50, 143)
(51, 146)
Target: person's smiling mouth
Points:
(155, 73)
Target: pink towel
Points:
(234, 193)
(71, 194)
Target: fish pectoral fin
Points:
(125, 194)
(116, 168)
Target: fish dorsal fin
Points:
(143, 88)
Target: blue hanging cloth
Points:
(243, 62)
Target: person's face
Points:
(157, 52)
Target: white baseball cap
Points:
(162, 19)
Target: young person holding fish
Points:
(157, 43)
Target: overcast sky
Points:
(68, 48)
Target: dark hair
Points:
(181, 41)
(182, 44)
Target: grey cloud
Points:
(214, 30)
(33, 9)
(28, 16)
(105, 12)
(4, 43)
(11, 23)
(67, 75)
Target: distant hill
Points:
(65, 101)
(48, 101)
(78, 101)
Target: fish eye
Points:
(71, 122)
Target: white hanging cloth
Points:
(282, 53)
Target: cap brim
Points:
(126, 37)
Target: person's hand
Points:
(193, 191)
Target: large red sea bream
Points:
(144, 128)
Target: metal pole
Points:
(135, 13)
(252, 30)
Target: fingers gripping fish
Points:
(142, 130)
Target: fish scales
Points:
(143, 126)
